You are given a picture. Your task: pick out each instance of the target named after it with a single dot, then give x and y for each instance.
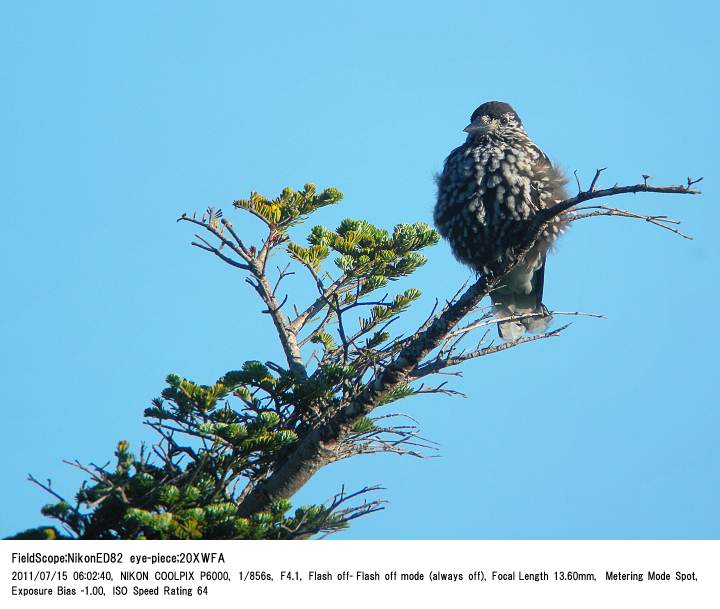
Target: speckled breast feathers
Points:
(490, 189)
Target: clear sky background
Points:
(118, 117)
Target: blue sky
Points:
(116, 118)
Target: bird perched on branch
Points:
(489, 191)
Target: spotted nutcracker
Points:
(490, 189)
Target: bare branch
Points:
(398, 439)
(281, 275)
(280, 306)
(48, 488)
(596, 178)
(602, 210)
(441, 388)
(440, 363)
(586, 195)
(287, 335)
(235, 247)
(320, 303)
(219, 254)
(489, 320)
(231, 230)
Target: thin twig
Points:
(596, 178)
(492, 320)
(602, 210)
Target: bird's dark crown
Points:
(496, 110)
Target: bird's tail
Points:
(521, 294)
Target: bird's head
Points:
(491, 117)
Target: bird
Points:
(489, 192)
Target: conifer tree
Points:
(230, 455)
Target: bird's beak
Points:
(474, 128)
